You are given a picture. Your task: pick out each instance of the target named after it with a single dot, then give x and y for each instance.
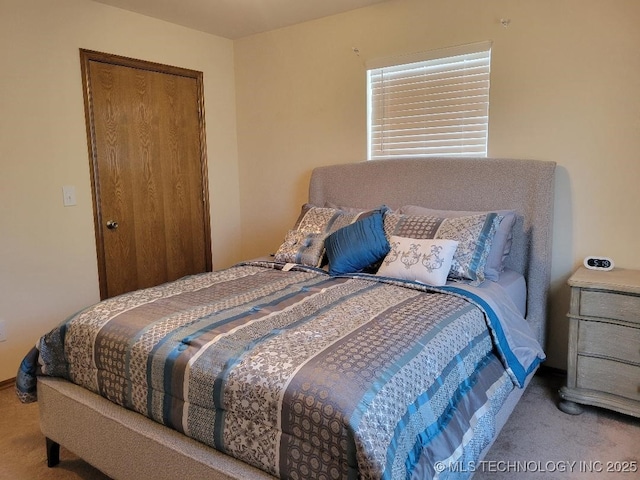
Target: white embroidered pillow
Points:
(422, 260)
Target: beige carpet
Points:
(539, 442)
(22, 446)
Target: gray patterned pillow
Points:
(325, 220)
(305, 243)
(473, 233)
(301, 247)
(501, 244)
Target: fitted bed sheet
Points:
(515, 287)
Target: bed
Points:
(322, 371)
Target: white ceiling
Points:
(238, 18)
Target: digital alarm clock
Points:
(598, 263)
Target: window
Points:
(433, 103)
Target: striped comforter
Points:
(298, 373)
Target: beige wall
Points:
(47, 252)
(564, 87)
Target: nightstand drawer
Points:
(609, 340)
(595, 303)
(609, 376)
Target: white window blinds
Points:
(434, 103)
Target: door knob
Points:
(112, 225)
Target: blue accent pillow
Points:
(353, 248)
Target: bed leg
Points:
(53, 453)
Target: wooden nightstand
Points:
(603, 366)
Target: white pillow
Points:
(426, 261)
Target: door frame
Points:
(87, 56)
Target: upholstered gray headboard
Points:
(526, 186)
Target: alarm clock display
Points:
(598, 263)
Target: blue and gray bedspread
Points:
(301, 374)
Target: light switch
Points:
(69, 195)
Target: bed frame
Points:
(124, 444)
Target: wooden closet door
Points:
(145, 127)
